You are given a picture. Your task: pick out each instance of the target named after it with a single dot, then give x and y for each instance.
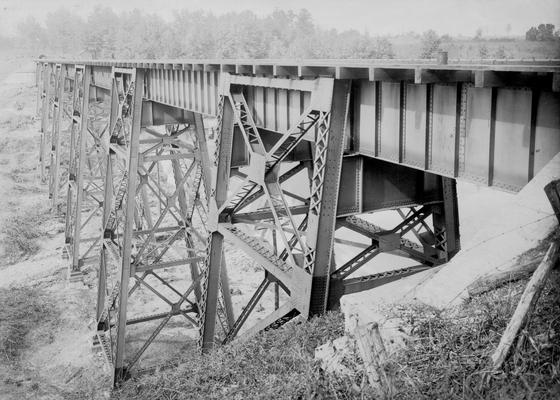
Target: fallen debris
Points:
(332, 355)
(525, 306)
(374, 355)
(552, 191)
(513, 273)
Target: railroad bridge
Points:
(170, 165)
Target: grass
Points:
(22, 310)
(449, 354)
(21, 233)
(278, 364)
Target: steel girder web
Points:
(287, 248)
(427, 234)
(154, 234)
(86, 171)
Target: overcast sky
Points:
(377, 17)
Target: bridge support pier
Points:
(85, 172)
(154, 229)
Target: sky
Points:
(455, 17)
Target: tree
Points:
(531, 34)
(199, 34)
(431, 43)
(544, 32)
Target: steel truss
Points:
(297, 232)
(146, 204)
(55, 96)
(154, 226)
(86, 171)
(292, 258)
(434, 232)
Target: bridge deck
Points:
(493, 123)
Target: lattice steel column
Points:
(77, 103)
(39, 81)
(154, 229)
(327, 164)
(259, 200)
(86, 173)
(131, 186)
(48, 83)
(215, 254)
(58, 112)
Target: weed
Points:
(449, 357)
(277, 364)
(22, 311)
(21, 232)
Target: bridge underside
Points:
(210, 166)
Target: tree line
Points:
(280, 34)
(195, 34)
(542, 33)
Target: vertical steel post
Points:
(182, 200)
(107, 204)
(45, 119)
(322, 226)
(80, 170)
(120, 368)
(214, 262)
(39, 84)
(207, 180)
(72, 155)
(56, 139)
